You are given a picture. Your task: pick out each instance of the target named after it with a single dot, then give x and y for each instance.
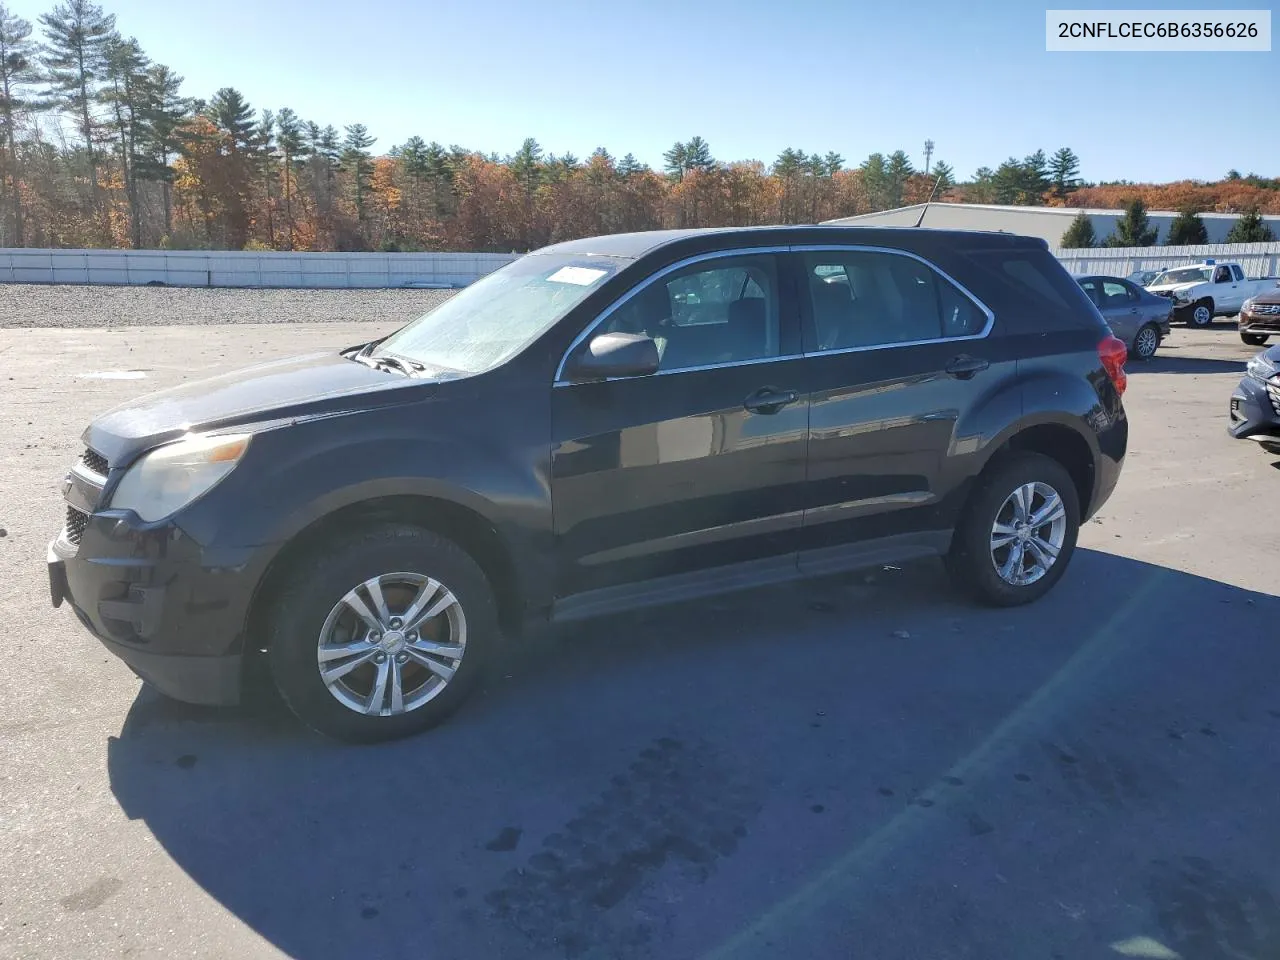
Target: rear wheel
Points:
(381, 634)
(1254, 339)
(1145, 342)
(1018, 532)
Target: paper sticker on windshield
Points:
(578, 276)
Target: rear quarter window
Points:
(1029, 289)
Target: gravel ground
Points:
(863, 765)
(64, 305)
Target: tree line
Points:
(1134, 229)
(100, 147)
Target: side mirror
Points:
(613, 355)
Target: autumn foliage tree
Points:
(100, 146)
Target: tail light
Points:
(1113, 353)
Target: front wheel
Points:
(1201, 314)
(1018, 531)
(1254, 339)
(381, 634)
(1146, 342)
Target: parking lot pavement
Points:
(865, 765)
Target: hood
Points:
(285, 389)
(1171, 287)
(1268, 295)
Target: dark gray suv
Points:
(603, 424)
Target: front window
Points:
(717, 312)
(499, 315)
(1185, 275)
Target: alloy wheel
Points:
(1029, 531)
(392, 644)
(1147, 342)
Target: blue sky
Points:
(749, 77)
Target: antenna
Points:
(925, 208)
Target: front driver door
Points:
(699, 466)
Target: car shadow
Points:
(756, 767)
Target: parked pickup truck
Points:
(1206, 290)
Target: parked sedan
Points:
(1139, 318)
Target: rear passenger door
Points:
(1120, 309)
(896, 354)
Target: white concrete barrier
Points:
(1256, 259)
(240, 268)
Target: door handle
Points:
(769, 400)
(964, 367)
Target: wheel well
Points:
(1064, 445)
(463, 526)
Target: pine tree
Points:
(629, 166)
(238, 133)
(126, 95)
(1035, 178)
(78, 33)
(18, 77)
(1064, 172)
(1080, 234)
(527, 166)
(292, 146)
(834, 163)
(677, 161)
(698, 154)
(898, 170)
(875, 179)
(164, 114)
(1134, 229)
(944, 176)
(1250, 228)
(357, 159)
(1187, 230)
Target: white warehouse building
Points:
(1049, 223)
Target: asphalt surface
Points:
(864, 766)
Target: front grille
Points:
(1273, 391)
(1168, 294)
(1266, 309)
(96, 462)
(76, 522)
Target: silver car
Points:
(1139, 318)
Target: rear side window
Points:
(1029, 287)
(864, 298)
(1237, 272)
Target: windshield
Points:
(492, 320)
(1185, 275)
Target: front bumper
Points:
(1255, 412)
(172, 610)
(1265, 324)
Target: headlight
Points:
(170, 477)
(1247, 305)
(1260, 368)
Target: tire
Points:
(972, 560)
(1254, 339)
(1201, 314)
(1145, 342)
(404, 562)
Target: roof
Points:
(636, 245)
(1040, 211)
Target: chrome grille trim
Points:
(96, 462)
(76, 522)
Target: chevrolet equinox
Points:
(602, 424)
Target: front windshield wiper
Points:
(383, 360)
